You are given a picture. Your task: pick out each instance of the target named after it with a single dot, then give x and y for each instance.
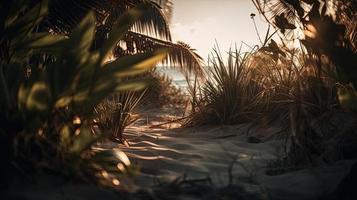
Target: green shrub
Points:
(49, 86)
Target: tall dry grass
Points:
(302, 99)
(288, 88)
(230, 92)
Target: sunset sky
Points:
(200, 22)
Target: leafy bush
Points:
(49, 86)
(162, 91)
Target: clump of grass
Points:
(230, 94)
(288, 89)
(312, 101)
(115, 113)
(302, 99)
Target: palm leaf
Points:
(149, 33)
(180, 55)
(273, 8)
(166, 7)
(64, 15)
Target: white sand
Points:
(208, 151)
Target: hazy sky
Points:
(200, 22)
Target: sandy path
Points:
(209, 151)
(202, 152)
(198, 153)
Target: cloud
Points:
(196, 28)
(199, 34)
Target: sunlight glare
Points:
(77, 120)
(77, 132)
(121, 167)
(311, 31)
(105, 174)
(122, 156)
(116, 182)
(40, 132)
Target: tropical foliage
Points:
(329, 51)
(149, 33)
(330, 34)
(49, 87)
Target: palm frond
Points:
(154, 22)
(274, 8)
(347, 10)
(167, 7)
(184, 57)
(64, 15)
(149, 33)
(283, 14)
(180, 55)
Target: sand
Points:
(217, 153)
